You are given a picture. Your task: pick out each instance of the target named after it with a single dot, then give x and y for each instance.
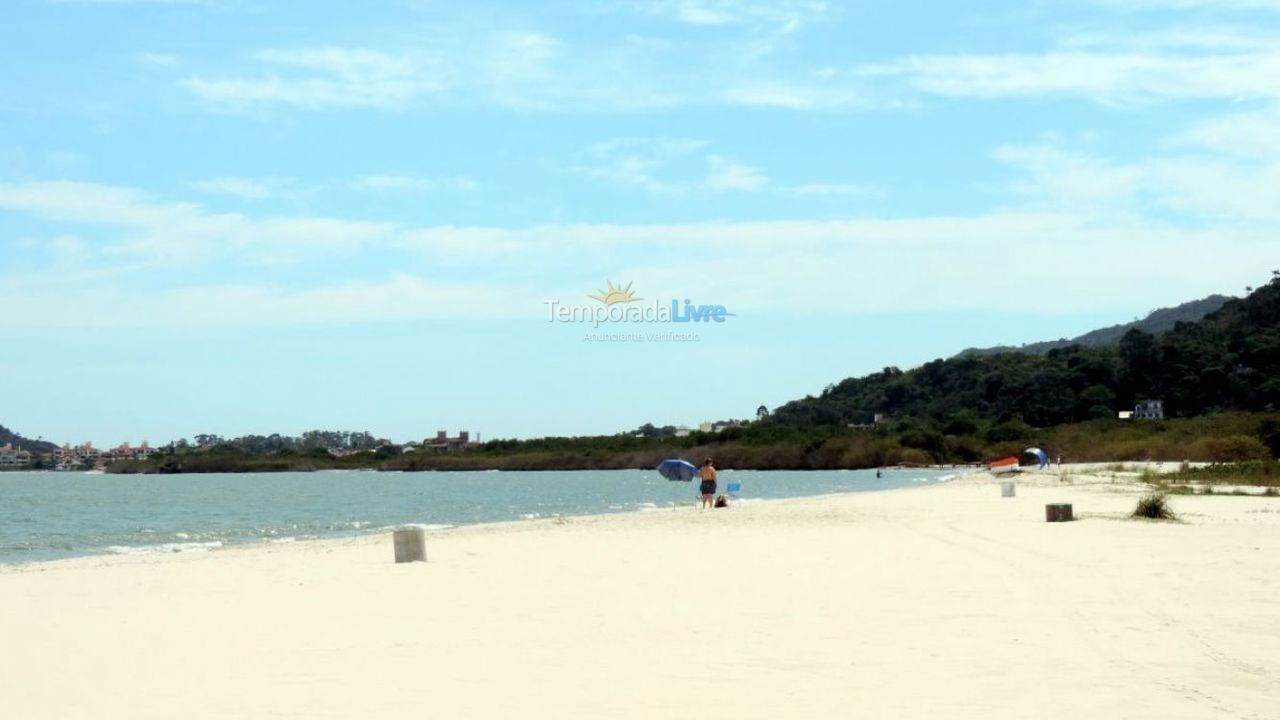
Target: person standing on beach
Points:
(708, 488)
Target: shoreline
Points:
(949, 601)
(358, 535)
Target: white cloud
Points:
(791, 97)
(779, 267)
(388, 183)
(1191, 4)
(1223, 170)
(141, 2)
(157, 59)
(1217, 63)
(160, 232)
(1072, 179)
(727, 174)
(785, 15)
(328, 76)
(643, 161)
(1253, 135)
(666, 165)
(894, 265)
(212, 307)
(833, 189)
(1099, 75)
(247, 188)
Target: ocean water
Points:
(46, 515)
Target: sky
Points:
(242, 216)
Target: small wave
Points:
(280, 541)
(163, 547)
(429, 527)
(530, 516)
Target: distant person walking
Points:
(708, 488)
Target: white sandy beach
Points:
(938, 602)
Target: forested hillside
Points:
(8, 437)
(1156, 322)
(1230, 360)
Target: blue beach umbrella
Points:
(1041, 456)
(678, 470)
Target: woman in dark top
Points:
(708, 488)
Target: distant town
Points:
(86, 457)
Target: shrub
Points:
(1230, 448)
(1154, 506)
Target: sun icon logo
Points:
(612, 295)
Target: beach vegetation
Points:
(1154, 506)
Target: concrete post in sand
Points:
(1058, 512)
(410, 544)
(1006, 488)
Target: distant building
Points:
(443, 443)
(1149, 410)
(79, 457)
(683, 431)
(880, 419)
(1125, 414)
(12, 458)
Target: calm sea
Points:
(45, 516)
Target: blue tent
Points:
(1041, 456)
(678, 470)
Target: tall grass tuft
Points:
(1154, 506)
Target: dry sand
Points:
(939, 602)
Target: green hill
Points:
(9, 437)
(1156, 322)
(1227, 361)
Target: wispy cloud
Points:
(1163, 64)
(1222, 170)
(142, 2)
(385, 183)
(785, 15)
(833, 189)
(1273, 5)
(776, 267)
(247, 188)
(328, 76)
(791, 97)
(161, 232)
(157, 59)
(728, 174)
(646, 162)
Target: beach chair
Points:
(732, 490)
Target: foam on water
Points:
(163, 548)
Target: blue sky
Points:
(241, 216)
